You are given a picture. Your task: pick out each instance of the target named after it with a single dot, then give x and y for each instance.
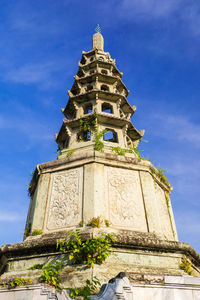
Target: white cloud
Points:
(150, 8)
(7, 216)
(178, 127)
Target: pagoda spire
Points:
(97, 40)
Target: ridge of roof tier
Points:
(101, 78)
(98, 83)
(94, 95)
(88, 95)
(90, 64)
(106, 119)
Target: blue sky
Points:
(156, 45)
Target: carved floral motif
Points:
(65, 202)
(126, 204)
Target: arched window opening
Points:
(92, 58)
(89, 87)
(88, 109)
(107, 108)
(101, 58)
(121, 114)
(84, 136)
(83, 60)
(110, 136)
(105, 88)
(104, 71)
(80, 73)
(128, 141)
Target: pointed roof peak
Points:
(97, 40)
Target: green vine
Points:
(98, 143)
(186, 265)
(70, 152)
(119, 151)
(11, 284)
(89, 123)
(90, 288)
(89, 252)
(27, 230)
(36, 267)
(50, 273)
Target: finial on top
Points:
(97, 41)
(98, 29)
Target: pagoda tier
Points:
(98, 92)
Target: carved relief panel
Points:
(166, 226)
(65, 203)
(126, 208)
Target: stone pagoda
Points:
(99, 175)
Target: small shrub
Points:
(36, 267)
(36, 232)
(89, 252)
(27, 231)
(70, 153)
(90, 288)
(185, 265)
(107, 223)
(11, 284)
(81, 223)
(95, 222)
(50, 273)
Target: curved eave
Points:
(107, 120)
(96, 61)
(104, 95)
(102, 78)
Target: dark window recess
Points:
(104, 71)
(80, 73)
(110, 136)
(101, 58)
(107, 108)
(105, 88)
(92, 58)
(83, 60)
(129, 142)
(84, 136)
(89, 87)
(88, 109)
(91, 72)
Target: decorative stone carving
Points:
(125, 199)
(65, 202)
(166, 226)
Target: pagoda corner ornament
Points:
(99, 175)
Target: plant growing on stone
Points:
(50, 273)
(27, 230)
(95, 222)
(89, 252)
(107, 223)
(36, 232)
(186, 265)
(11, 284)
(90, 288)
(98, 143)
(36, 267)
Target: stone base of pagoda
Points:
(124, 190)
(133, 253)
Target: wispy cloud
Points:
(178, 127)
(39, 73)
(150, 8)
(7, 216)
